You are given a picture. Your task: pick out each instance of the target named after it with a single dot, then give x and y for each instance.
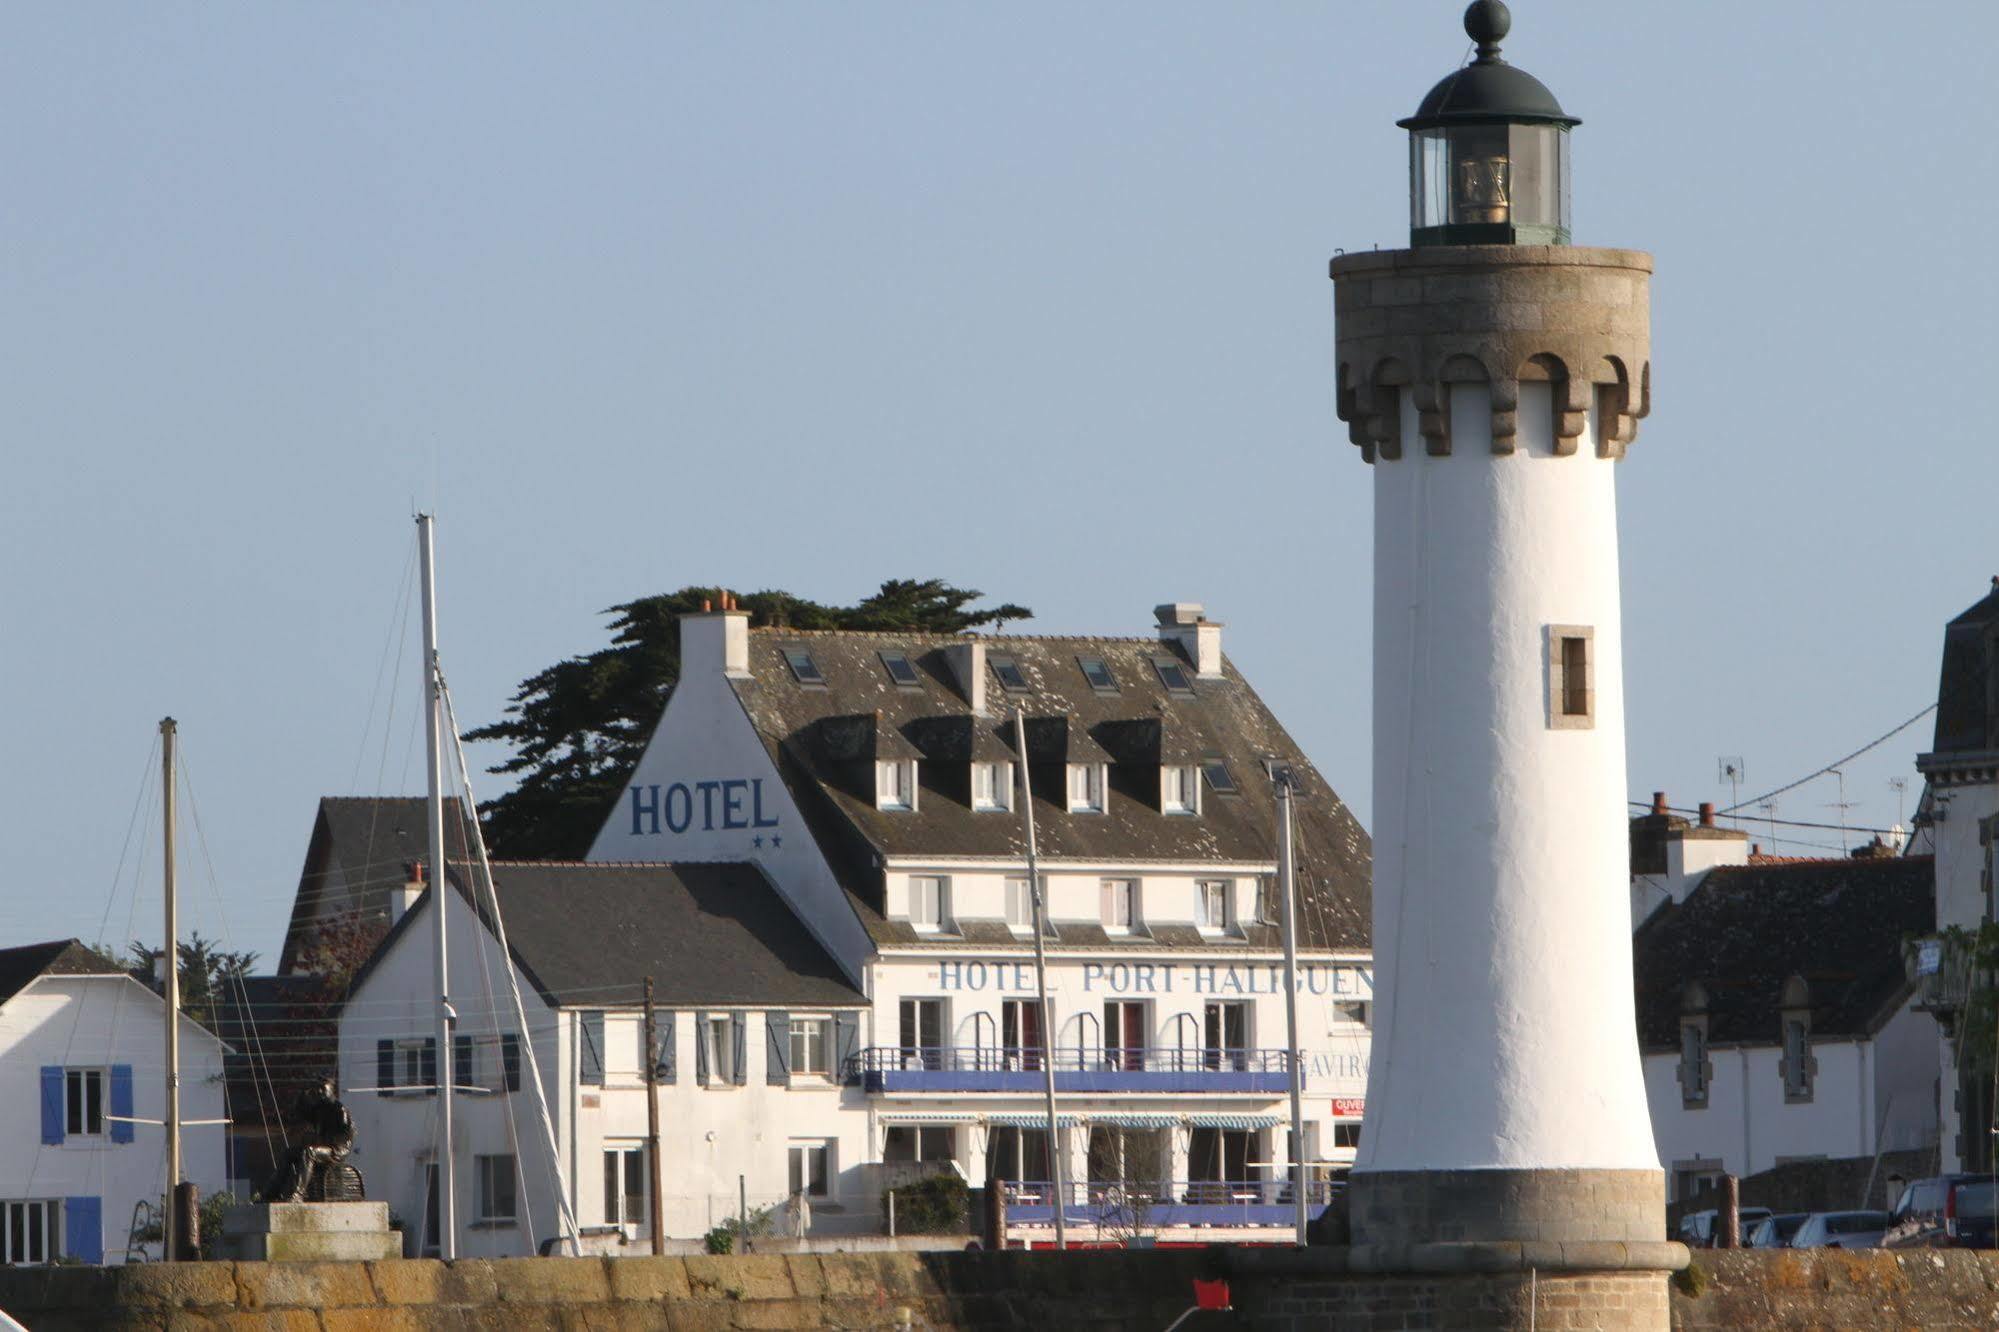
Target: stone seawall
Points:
(974, 1292)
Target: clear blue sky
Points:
(1031, 297)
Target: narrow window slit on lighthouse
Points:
(1571, 677)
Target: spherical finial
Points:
(1487, 23)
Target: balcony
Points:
(1113, 1207)
(1111, 1069)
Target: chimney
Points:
(1658, 802)
(967, 660)
(404, 895)
(715, 641)
(1199, 639)
(1707, 813)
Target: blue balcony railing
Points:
(944, 1068)
(1143, 1208)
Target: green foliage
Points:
(722, 1239)
(205, 970)
(1692, 1279)
(211, 1209)
(936, 1205)
(719, 1240)
(577, 728)
(1975, 953)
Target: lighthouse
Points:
(1492, 375)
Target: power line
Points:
(1872, 744)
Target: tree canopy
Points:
(577, 728)
(205, 970)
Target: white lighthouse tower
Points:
(1493, 374)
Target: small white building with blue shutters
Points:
(81, 1058)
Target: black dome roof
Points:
(1488, 90)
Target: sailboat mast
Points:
(171, 949)
(447, 1193)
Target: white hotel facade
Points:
(867, 783)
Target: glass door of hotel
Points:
(1124, 1034)
(1020, 1033)
(1225, 1035)
(1218, 1164)
(922, 1023)
(1018, 1154)
(1127, 1161)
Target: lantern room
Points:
(1489, 151)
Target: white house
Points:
(1774, 1007)
(754, 1019)
(875, 778)
(82, 1056)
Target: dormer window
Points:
(1098, 673)
(803, 668)
(1007, 671)
(930, 903)
(899, 670)
(1179, 789)
(1212, 908)
(992, 787)
(1173, 675)
(895, 784)
(1086, 788)
(1120, 906)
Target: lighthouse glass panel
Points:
(1489, 184)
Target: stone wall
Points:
(1791, 1290)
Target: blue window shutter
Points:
(739, 1030)
(121, 1101)
(846, 1044)
(83, 1229)
(592, 1053)
(51, 1106)
(510, 1060)
(664, 1058)
(385, 1067)
(777, 1052)
(701, 1030)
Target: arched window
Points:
(1696, 1070)
(1798, 1065)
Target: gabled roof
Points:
(1221, 719)
(1746, 929)
(61, 957)
(1967, 692)
(359, 851)
(587, 935)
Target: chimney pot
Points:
(706, 605)
(1707, 813)
(1658, 802)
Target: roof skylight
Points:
(1007, 670)
(1173, 675)
(1220, 780)
(803, 667)
(1098, 674)
(899, 670)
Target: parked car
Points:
(1841, 1230)
(1702, 1230)
(1775, 1232)
(1945, 1211)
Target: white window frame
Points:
(992, 787)
(23, 1220)
(1179, 788)
(409, 1064)
(800, 1176)
(1206, 891)
(1120, 898)
(718, 1031)
(1086, 788)
(930, 903)
(895, 784)
(619, 1199)
(808, 1032)
(1019, 904)
(486, 1169)
(76, 1101)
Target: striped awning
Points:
(1137, 1119)
(926, 1117)
(1011, 1120)
(1234, 1121)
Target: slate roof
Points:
(359, 849)
(1135, 728)
(1840, 924)
(61, 957)
(1968, 691)
(588, 934)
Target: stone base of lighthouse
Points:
(1399, 1208)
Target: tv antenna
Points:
(1769, 808)
(1842, 805)
(1731, 769)
(1900, 786)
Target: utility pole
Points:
(653, 1203)
(1047, 1022)
(447, 1191)
(1289, 879)
(169, 729)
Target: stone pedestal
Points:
(309, 1232)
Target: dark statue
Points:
(317, 1170)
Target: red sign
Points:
(1348, 1107)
